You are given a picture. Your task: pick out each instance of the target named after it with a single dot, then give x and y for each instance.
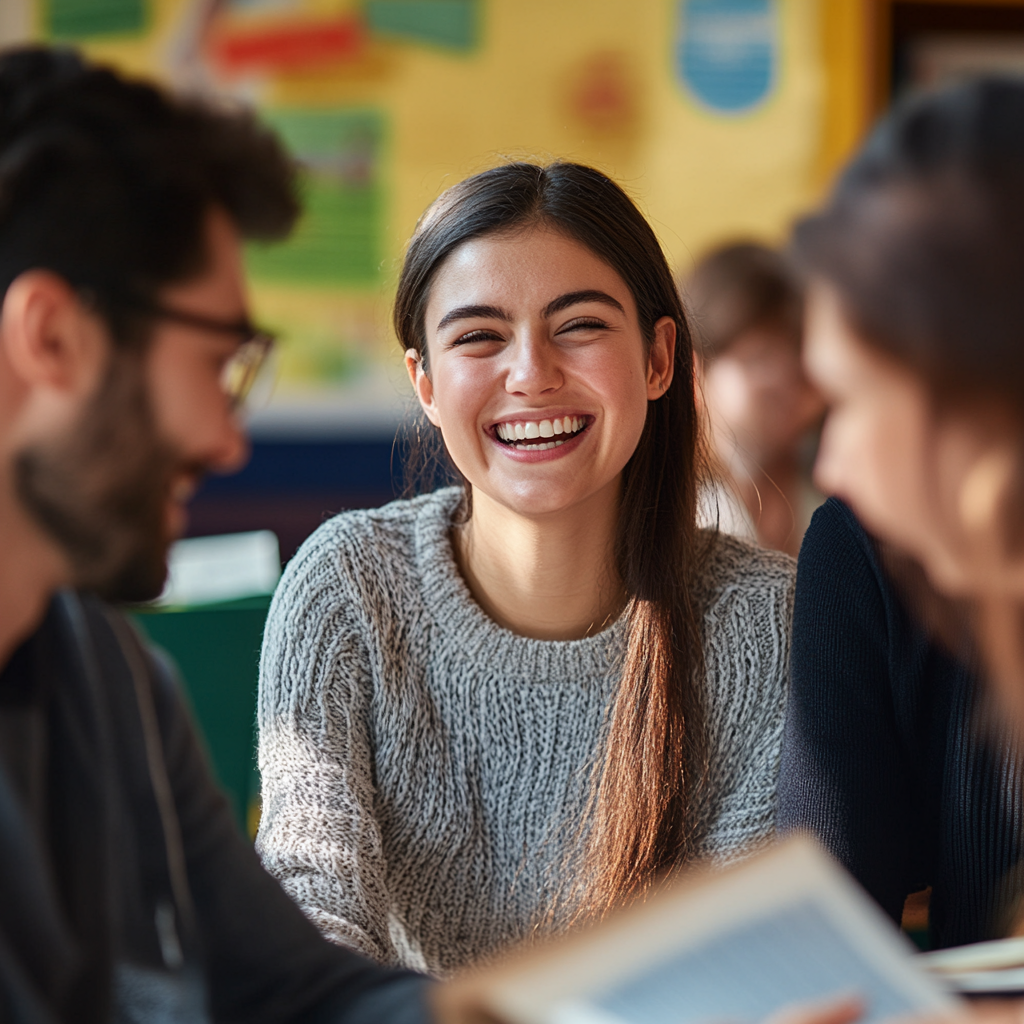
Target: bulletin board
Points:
(712, 113)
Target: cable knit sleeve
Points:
(318, 834)
(747, 643)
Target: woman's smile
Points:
(533, 438)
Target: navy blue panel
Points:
(303, 467)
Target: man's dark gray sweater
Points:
(126, 892)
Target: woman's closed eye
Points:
(578, 327)
(583, 324)
(479, 335)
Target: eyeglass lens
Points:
(243, 368)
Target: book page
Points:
(731, 946)
(793, 955)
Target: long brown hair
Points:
(644, 803)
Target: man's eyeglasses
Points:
(241, 370)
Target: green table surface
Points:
(216, 650)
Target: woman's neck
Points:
(550, 577)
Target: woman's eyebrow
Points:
(474, 312)
(572, 298)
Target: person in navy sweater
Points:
(915, 316)
(885, 757)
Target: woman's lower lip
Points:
(538, 454)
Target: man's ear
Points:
(49, 337)
(661, 359)
(421, 384)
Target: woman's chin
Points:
(537, 499)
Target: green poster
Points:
(79, 19)
(452, 24)
(337, 240)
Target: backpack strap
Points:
(138, 665)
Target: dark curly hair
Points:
(107, 181)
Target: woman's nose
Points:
(534, 367)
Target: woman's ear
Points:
(421, 384)
(661, 358)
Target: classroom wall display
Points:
(387, 102)
(337, 241)
(450, 24)
(728, 51)
(81, 19)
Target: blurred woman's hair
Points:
(740, 287)
(923, 239)
(923, 242)
(644, 797)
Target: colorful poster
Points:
(727, 51)
(321, 289)
(337, 241)
(452, 24)
(80, 19)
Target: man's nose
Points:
(229, 449)
(534, 366)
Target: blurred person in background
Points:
(762, 412)
(500, 709)
(914, 336)
(126, 892)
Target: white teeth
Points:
(532, 429)
(537, 447)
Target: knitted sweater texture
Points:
(424, 769)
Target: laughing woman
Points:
(502, 708)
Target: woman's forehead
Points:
(525, 270)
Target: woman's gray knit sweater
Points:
(420, 763)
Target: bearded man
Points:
(126, 893)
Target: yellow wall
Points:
(700, 176)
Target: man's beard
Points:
(101, 489)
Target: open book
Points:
(984, 968)
(786, 927)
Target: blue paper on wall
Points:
(727, 51)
